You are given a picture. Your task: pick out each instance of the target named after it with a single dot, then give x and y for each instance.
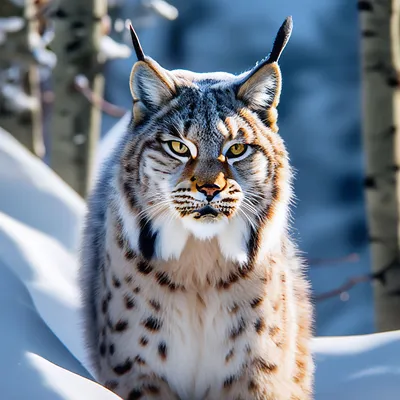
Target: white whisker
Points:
(252, 224)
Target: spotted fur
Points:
(192, 286)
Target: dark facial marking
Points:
(136, 290)
(111, 349)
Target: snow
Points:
(363, 367)
(42, 355)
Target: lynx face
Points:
(204, 166)
(205, 155)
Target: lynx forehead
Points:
(192, 287)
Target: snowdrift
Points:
(41, 351)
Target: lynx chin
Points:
(192, 287)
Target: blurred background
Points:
(64, 94)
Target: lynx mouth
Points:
(206, 212)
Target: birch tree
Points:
(20, 110)
(75, 126)
(380, 28)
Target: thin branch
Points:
(320, 262)
(81, 84)
(379, 276)
(344, 288)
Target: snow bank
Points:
(42, 355)
(358, 367)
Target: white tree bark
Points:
(20, 110)
(380, 26)
(75, 124)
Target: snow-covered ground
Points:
(41, 351)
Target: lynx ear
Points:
(151, 85)
(260, 88)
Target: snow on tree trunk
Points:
(380, 26)
(75, 126)
(20, 110)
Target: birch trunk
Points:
(380, 27)
(24, 125)
(75, 126)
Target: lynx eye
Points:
(179, 148)
(236, 150)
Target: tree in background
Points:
(75, 123)
(22, 54)
(380, 25)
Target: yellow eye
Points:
(236, 150)
(179, 148)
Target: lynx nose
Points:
(210, 190)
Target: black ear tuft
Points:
(281, 39)
(136, 44)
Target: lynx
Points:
(192, 287)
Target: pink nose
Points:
(210, 190)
